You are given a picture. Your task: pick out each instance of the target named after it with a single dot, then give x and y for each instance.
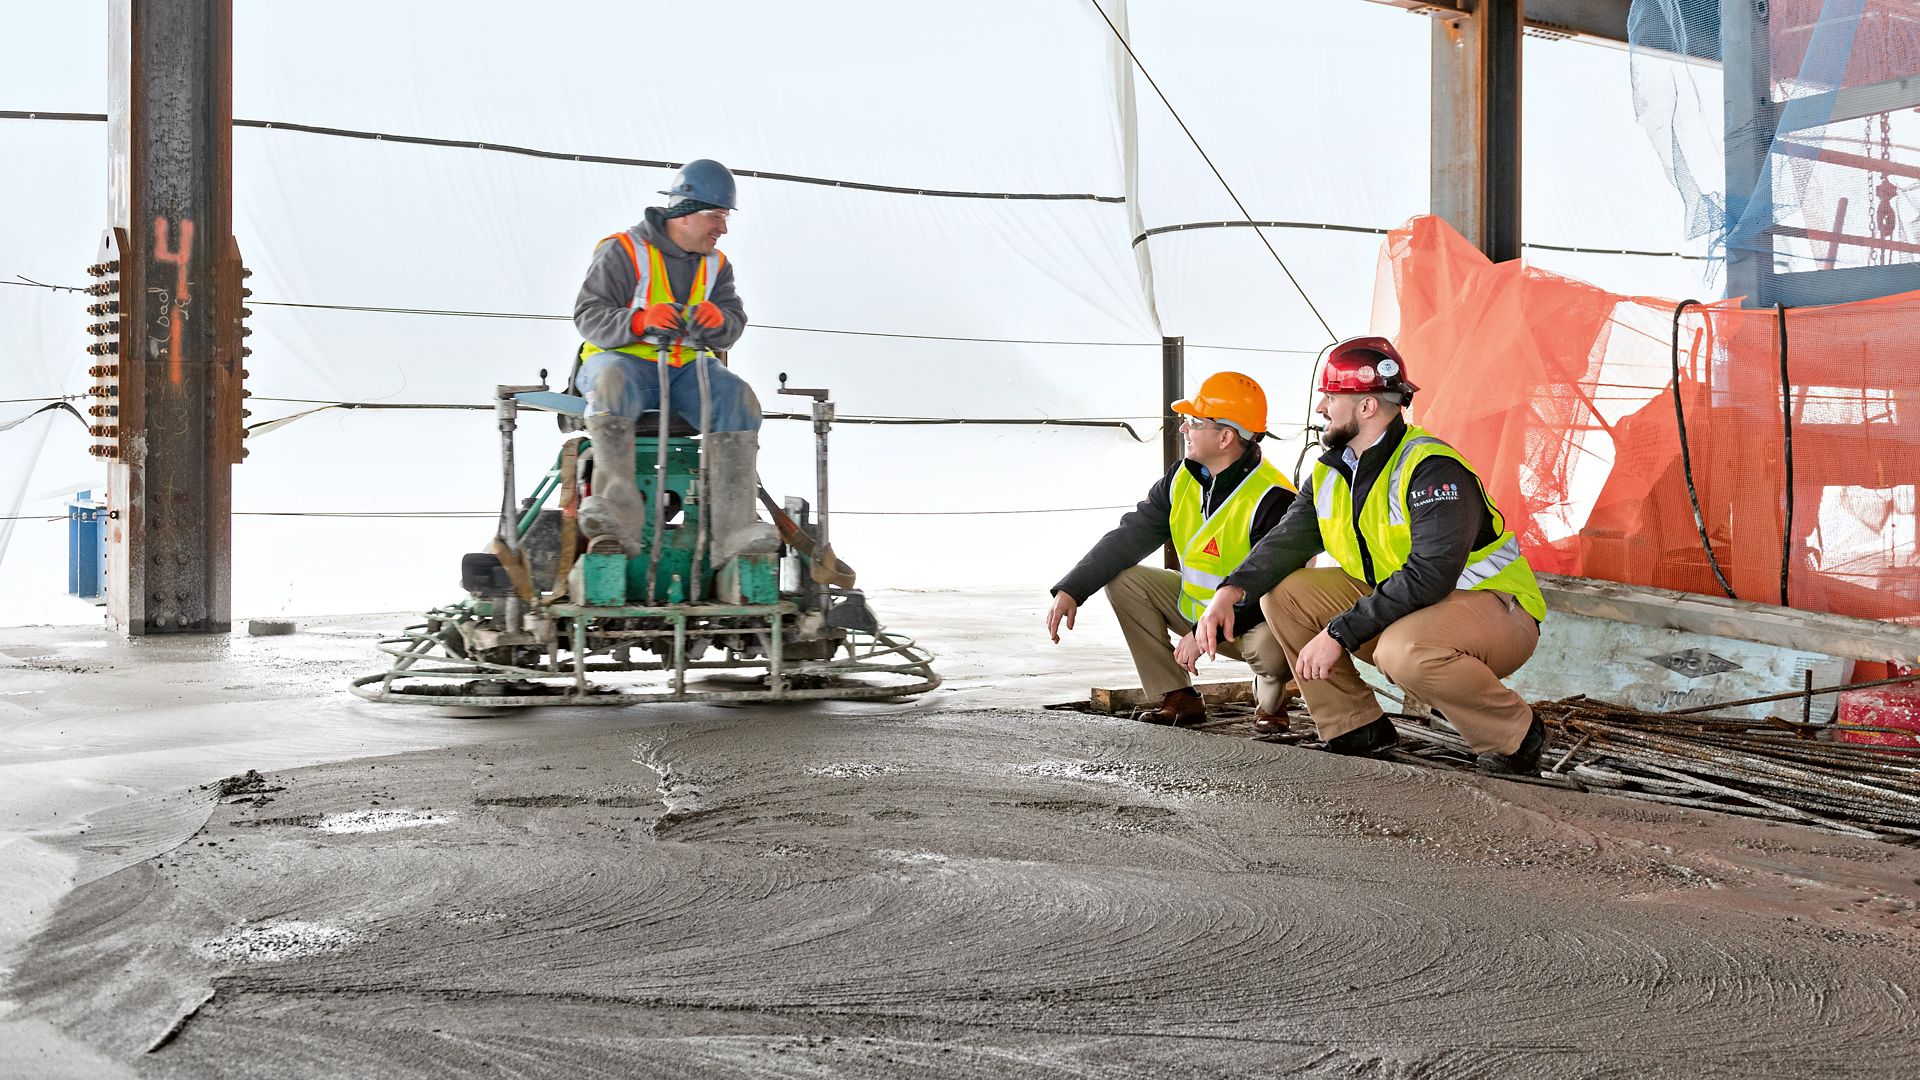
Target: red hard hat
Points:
(1366, 365)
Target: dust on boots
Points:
(616, 507)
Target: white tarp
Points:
(906, 305)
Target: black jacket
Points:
(1145, 528)
(1448, 525)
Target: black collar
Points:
(1376, 456)
(1228, 478)
(653, 229)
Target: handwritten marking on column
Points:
(168, 252)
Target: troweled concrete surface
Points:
(960, 886)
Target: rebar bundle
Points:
(1772, 768)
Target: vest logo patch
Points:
(1424, 497)
(1212, 548)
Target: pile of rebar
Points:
(1770, 768)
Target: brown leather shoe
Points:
(1270, 723)
(1179, 708)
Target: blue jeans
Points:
(622, 385)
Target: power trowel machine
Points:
(553, 619)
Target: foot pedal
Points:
(847, 610)
(599, 579)
(481, 574)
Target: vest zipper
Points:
(1366, 553)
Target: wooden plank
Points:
(1127, 699)
(1763, 624)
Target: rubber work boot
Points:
(1376, 738)
(616, 507)
(1270, 723)
(1179, 708)
(727, 460)
(1522, 762)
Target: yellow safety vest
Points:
(1213, 546)
(1389, 538)
(650, 286)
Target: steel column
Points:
(1746, 66)
(1173, 387)
(1476, 124)
(179, 320)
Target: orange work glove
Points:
(657, 318)
(706, 315)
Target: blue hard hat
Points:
(704, 180)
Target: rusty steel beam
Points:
(176, 377)
(1476, 124)
(1173, 444)
(1600, 21)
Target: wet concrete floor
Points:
(962, 886)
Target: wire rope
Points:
(1217, 175)
(1786, 423)
(1686, 456)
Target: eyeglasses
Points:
(1196, 424)
(720, 215)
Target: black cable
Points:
(1312, 431)
(25, 280)
(493, 515)
(58, 405)
(1786, 422)
(897, 421)
(1127, 45)
(459, 314)
(1374, 230)
(1686, 457)
(598, 159)
(921, 421)
(451, 313)
(1311, 440)
(980, 513)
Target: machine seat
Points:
(572, 410)
(648, 426)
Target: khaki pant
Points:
(1451, 655)
(1147, 602)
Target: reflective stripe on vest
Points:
(1212, 546)
(1383, 521)
(650, 286)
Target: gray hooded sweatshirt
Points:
(603, 312)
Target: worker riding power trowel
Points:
(618, 517)
(638, 562)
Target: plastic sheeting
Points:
(909, 305)
(1832, 190)
(1718, 452)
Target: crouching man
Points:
(1213, 507)
(1431, 587)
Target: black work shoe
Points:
(1522, 762)
(1179, 708)
(1376, 738)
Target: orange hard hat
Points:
(1232, 397)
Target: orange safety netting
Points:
(1562, 395)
